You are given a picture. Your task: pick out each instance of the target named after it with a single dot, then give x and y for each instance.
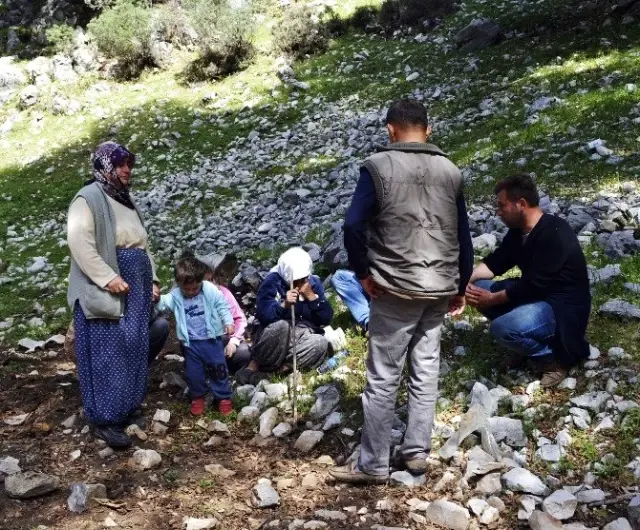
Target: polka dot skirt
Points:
(112, 354)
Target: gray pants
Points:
(273, 347)
(398, 327)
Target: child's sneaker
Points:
(197, 406)
(225, 407)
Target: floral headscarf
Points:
(106, 158)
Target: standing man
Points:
(544, 313)
(414, 265)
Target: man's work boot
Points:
(416, 466)
(553, 375)
(352, 475)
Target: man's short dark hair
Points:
(408, 113)
(520, 186)
(189, 269)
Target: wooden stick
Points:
(295, 362)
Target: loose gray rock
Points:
(146, 459)
(475, 420)
(328, 398)
(249, 414)
(268, 421)
(308, 440)
(448, 515)
(264, 496)
(9, 465)
(588, 496)
(331, 515)
(593, 400)
(508, 430)
(276, 391)
(478, 35)
(621, 309)
(192, 523)
(519, 479)
(162, 415)
(618, 524)
(489, 484)
(543, 521)
(333, 421)
(633, 511)
(219, 427)
(30, 484)
(549, 453)
(282, 429)
(406, 479)
(560, 505)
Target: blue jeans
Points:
(206, 369)
(353, 295)
(527, 329)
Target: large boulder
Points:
(478, 35)
(619, 244)
(334, 255)
(28, 97)
(30, 484)
(40, 66)
(85, 59)
(161, 52)
(63, 69)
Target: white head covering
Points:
(294, 264)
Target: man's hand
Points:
(156, 293)
(373, 289)
(229, 329)
(457, 305)
(117, 286)
(230, 349)
(291, 298)
(306, 290)
(480, 298)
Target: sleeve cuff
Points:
(235, 340)
(104, 282)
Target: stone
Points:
(28, 96)
(264, 496)
(406, 479)
(333, 421)
(508, 430)
(480, 396)
(619, 524)
(63, 69)
(560, 505)
(478, 35)
(475, 420)
(519, 479)
(31, 345)
(310, 481)
(259, 400)
(245, 391)
(328, 398)
(593, 400)
(9, 466)
(497, 503)
(146, 459)
(581, 418)
(11, 75)
(105, 453)
(447, 515)
(606, 424)
(484, 244)
(489, 484)
(219, 427)
(633, 511)
(192, 523)
(268, 421)
(477, 506)
(218, 470)
(159, 429)
(621, 309)
(618, 244)
(275, 391)
(568, 384)
(135, 430)
(162, 415)
(249, 414)
(30, 484)
(314, 525)
(543, 521)
(588, 496)
(489, 516)
(308, 440)
(385, 505)
(282, 429)
(331, 515)
(605, 275)
(549, 453)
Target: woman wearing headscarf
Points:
(289, 284)
(112, 284)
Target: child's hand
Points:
(229, 329)
(230, 350)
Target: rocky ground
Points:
(269, 158)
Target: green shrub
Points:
(224, 38)
(300, 33)
(363, 17)
(172, 24)
(123, 32)
(60, 38)
(396, 13)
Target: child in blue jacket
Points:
(202, 317)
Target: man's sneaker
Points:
(352, 475)
(114, 435)
(415, 466)
(197, 406)
(225, 407)
(553, 375)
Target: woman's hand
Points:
(292, 298)
(306, 290)
(230, 349)
(229, 329)
(117, 286)
(156, 293)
